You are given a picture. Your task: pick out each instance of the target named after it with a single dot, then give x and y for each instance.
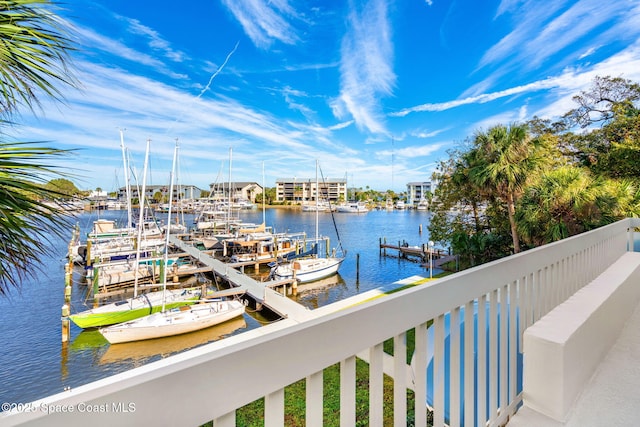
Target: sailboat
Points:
(133, 308)
(175, 321)
(310, 268)
(172, 322)
(139, 305)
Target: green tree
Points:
(569, 200)
(158, 197)
(33, 63)
(613, 149)
(506, 158)
(26, 223)
(607, 97)
(63, 186)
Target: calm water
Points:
(35, 364)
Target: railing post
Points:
(399, 380)
(274, 409)
(348, 392)
(314, 399)
(376, 386)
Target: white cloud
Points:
(264, 22)
(480, 99)
(156, 41)
(366, 66)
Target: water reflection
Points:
(34, 364)
(140, 352)
(320, 292)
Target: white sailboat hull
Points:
(309, 269)
(132, 308)
(174, 322)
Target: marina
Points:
(87, 356)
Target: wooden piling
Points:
(357, 266)
(95, 288)
(88, 254)
(66, 330)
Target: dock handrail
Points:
(213, 381)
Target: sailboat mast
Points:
(317, 204)
(127, 179)
(263, 196)
(168, 232)
(141, 221)
(229, 199)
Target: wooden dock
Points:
(404, 250)
(260, 292)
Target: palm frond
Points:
(26, 223)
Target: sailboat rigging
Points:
(311, 267)
(179, 320)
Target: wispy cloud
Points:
(265, 22)
(116, 48)
(155, 41)
(411, 152)
(480, 99)
(563, 24)
(366, 66)
(423, 134)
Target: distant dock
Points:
(422, 252)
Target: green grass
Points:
(252, 415)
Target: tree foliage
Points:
(33, 64)
(66, 188)
(544, 180)
(26, 223)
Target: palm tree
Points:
(34, 54)
(506, 158)
(569, 200)
(33, 63)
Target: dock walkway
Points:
(405, 250)
(259, 291)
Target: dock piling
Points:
(66, 330)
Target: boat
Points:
(260, 246)
(353, 207)
(400, 205)
(141, 351)
(308, 268)
(139, 305)
(133, 308)
(176, 321)
(423, 205)
(320, 206)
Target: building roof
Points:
(294, 179)
(235, 185)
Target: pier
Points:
(261, 292)
(404, 250)
(436, 257)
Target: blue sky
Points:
(376, 90)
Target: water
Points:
(34, 363)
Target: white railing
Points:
(213, 381)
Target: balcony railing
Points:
(461, 386)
